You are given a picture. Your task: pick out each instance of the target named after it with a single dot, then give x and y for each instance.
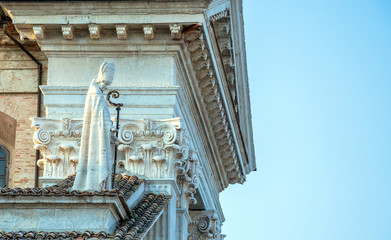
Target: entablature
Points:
(182, 31)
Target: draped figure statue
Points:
(95, 157)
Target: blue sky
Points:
(320, 83)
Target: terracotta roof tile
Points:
(126, 186)
(140, 217)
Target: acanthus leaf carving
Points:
(149, 147)
(58, 142)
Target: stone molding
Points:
(94, 213)
(222, 27)
(220, 15)
(214, 105)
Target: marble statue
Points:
(95, 156)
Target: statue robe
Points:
(95, 157)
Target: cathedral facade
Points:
(184, 132)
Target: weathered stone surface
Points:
(132, 71)
(79, 213)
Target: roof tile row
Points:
(140, 218)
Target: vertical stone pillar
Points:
(183, 221)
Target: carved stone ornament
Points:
(94, 31)
(214, 104)
(188, 170)
(204, 227)
(220, 15)
(149, 32)
(176, 31)
(67, 32)
(39, 32)
(58, 141)
(149, 147)
(121, 31)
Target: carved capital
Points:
(58, 141)
(149, 147)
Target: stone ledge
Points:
(79, 213)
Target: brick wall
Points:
(22, 166)
(18, 100)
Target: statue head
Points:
(106, 75)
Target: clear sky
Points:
(320, 83)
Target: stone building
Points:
(185, 130)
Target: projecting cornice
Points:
(214, 105)
(226, 35)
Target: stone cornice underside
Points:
(213, 103)
(222, 30)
